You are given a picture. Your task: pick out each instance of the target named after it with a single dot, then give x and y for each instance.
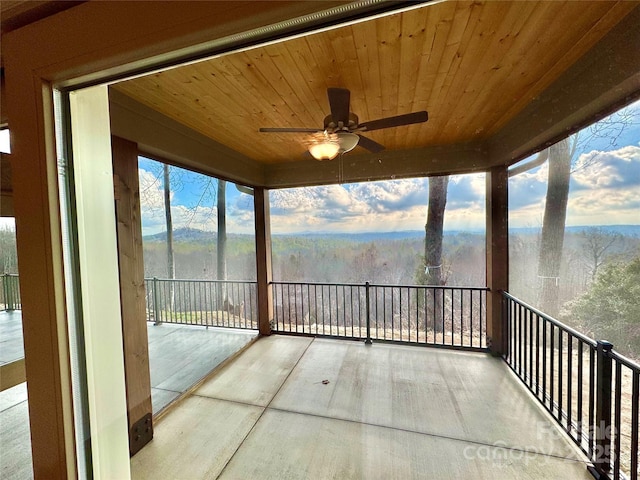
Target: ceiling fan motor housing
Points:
(332, 126)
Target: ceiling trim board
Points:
(164, 138)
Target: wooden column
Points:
(132, 292)
(263, 259)
(497, 256)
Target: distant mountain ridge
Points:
(201, 236)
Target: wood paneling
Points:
(472, 65)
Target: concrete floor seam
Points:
(265, 409)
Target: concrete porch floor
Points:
(179, 356)
(293, 407)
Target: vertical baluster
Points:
(538, 356)
(635, 396)
(451, 295)
(580, 391)
(569, 381)
(560, 374)
(616, 422)
(471, 316)
(544, 359)
(520, 340)
(531, 353)
(461, 318)
(592, 386)
(443, 313)
(551, 367)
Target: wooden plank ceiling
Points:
(472, 65)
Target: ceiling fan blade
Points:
(291, 130)
(370, 145)
(397, 121)
(339, 99)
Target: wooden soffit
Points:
(474, 66)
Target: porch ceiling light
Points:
(327, 149)
(327, 146)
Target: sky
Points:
(604, 190)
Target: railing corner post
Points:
(368, 310)
(603, 433)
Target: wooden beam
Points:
(132, 292)
(6, 187)
(422, 162)
(94, 41)
(12, 374)
(39, 248)
(605, 79)
(161, 137)
(497, 238)
(263, 259)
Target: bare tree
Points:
(171, 266)
(222, 237)
(596, 241)
(434, 229)
(562, 158)
(555, 213)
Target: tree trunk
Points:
(433, 246)
(169, 225)
(222, 237)
(553, 223)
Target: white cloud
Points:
(376, 206)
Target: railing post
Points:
(4, 290)
(8, 294)
(156, 306)
(602, 457)
(368, 310)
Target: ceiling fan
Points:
(342, 132)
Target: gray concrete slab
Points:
(195, 441)
(338, 409)
(256, 375)
(286, 445)
(470, 396)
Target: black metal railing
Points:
(10, 292)
(417, 314)
(590, 389)
(214, 303)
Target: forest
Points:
(600, 267)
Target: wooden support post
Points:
(132, 293)
(263, 259)
(497, 257)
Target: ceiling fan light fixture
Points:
(347, 141)
(326, 147)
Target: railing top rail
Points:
(198, 280)
(438, 287)
(627, 362)
(380, 285)
(555, 322)
(319, 284)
